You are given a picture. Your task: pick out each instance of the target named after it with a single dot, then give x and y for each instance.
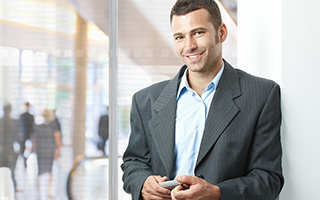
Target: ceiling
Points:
(144, 35)
(144, 32)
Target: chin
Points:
(195, 67)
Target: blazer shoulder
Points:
(151, 92)
(165, 88)
(249, 80)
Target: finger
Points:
(189, 180)
(160, 179)
(147, 196)
(175, 192)
(159, 188)
(161, 191)
(154, 188)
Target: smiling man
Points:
(212, 128)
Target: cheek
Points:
(213, 46)
(179, 48)
(208, 41)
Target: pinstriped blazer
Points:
(240, 149)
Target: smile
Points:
(194, 57)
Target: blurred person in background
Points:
(8, 136)
(55, 124)
(47, 147)
(26, 132)
(103, 131)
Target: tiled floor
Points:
(27, 180)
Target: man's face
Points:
(197, 42)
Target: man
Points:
(56, 126)
(103, 131)
(210, 121)
(27, 122)
(8, 136)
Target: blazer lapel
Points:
(222, 110)
(162, 124)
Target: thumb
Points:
(161, 179)
(190, 180)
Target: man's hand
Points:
(152, 190)
(195, 188)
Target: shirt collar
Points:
(184, 84)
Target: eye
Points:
(177, 38)
(198, 33)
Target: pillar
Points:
(79, 109)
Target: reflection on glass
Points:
(35, 66)
(89, 180)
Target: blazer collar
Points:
(169, 91)
(162, 124)
(222, 110)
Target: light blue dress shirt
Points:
(192, 112)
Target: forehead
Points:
(189, 21)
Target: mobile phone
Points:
(170, 184)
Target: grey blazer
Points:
(240, 149)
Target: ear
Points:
(223, 32)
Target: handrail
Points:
(80, 160)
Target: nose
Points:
(190, 44)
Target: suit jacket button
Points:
(200, 176)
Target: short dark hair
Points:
(182, 7)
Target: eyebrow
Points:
(198, 29)
(177, 34)
(192, 31)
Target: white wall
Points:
(259, 37)
(301, 98)
(280, 40)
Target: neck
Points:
(199, 81)
(198, 84)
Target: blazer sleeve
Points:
(264, 179)
(137, 156)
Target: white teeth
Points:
(194, 56)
